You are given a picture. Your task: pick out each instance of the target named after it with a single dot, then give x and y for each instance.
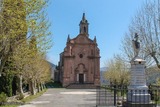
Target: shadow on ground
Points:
(52, 84)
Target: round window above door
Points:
(81, 55)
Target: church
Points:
(80, 61)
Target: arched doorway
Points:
(80, 74)
(81, 78)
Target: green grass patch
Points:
(158, 102)
(31, 97)
(27, 99)
(9, 106)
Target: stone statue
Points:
(136, 45)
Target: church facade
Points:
(80, 60)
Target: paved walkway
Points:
(65, 98)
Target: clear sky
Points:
(108, 21)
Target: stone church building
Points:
(80, 60)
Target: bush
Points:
(20, 97)
(3, 98)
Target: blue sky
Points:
(108, 21)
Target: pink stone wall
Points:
(81, 61)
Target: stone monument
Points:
(137, 90)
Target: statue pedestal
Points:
(138, 90)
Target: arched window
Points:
(85, 29)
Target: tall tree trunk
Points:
(32, 87)
(38, 87)
(41, 86)
(20, 88)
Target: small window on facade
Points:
(85, 29)
(81, 55)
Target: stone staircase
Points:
(81, 86)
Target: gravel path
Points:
(65, 98)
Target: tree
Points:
(117, 72)
(21, 22)
(22, 19)
(37, 71)
(158, 81)
(147, 24)
(12, 30)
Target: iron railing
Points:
(123, 97)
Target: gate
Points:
(107, 96)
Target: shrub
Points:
(20, 96)
(3, 98)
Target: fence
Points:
(122, 97)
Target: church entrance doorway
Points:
(81, 78)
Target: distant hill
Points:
(102, 78)
(53, 69)
(103, 69)
(52, 65)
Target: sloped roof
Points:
(81, 38)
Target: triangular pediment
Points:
(81, 38)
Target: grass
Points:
(31, 97)
(158, 102)
(27, 99)
(9, 106)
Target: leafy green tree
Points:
(117, 72)
(24, 25)
(12, 31)
(13, 28)
(158, 82)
